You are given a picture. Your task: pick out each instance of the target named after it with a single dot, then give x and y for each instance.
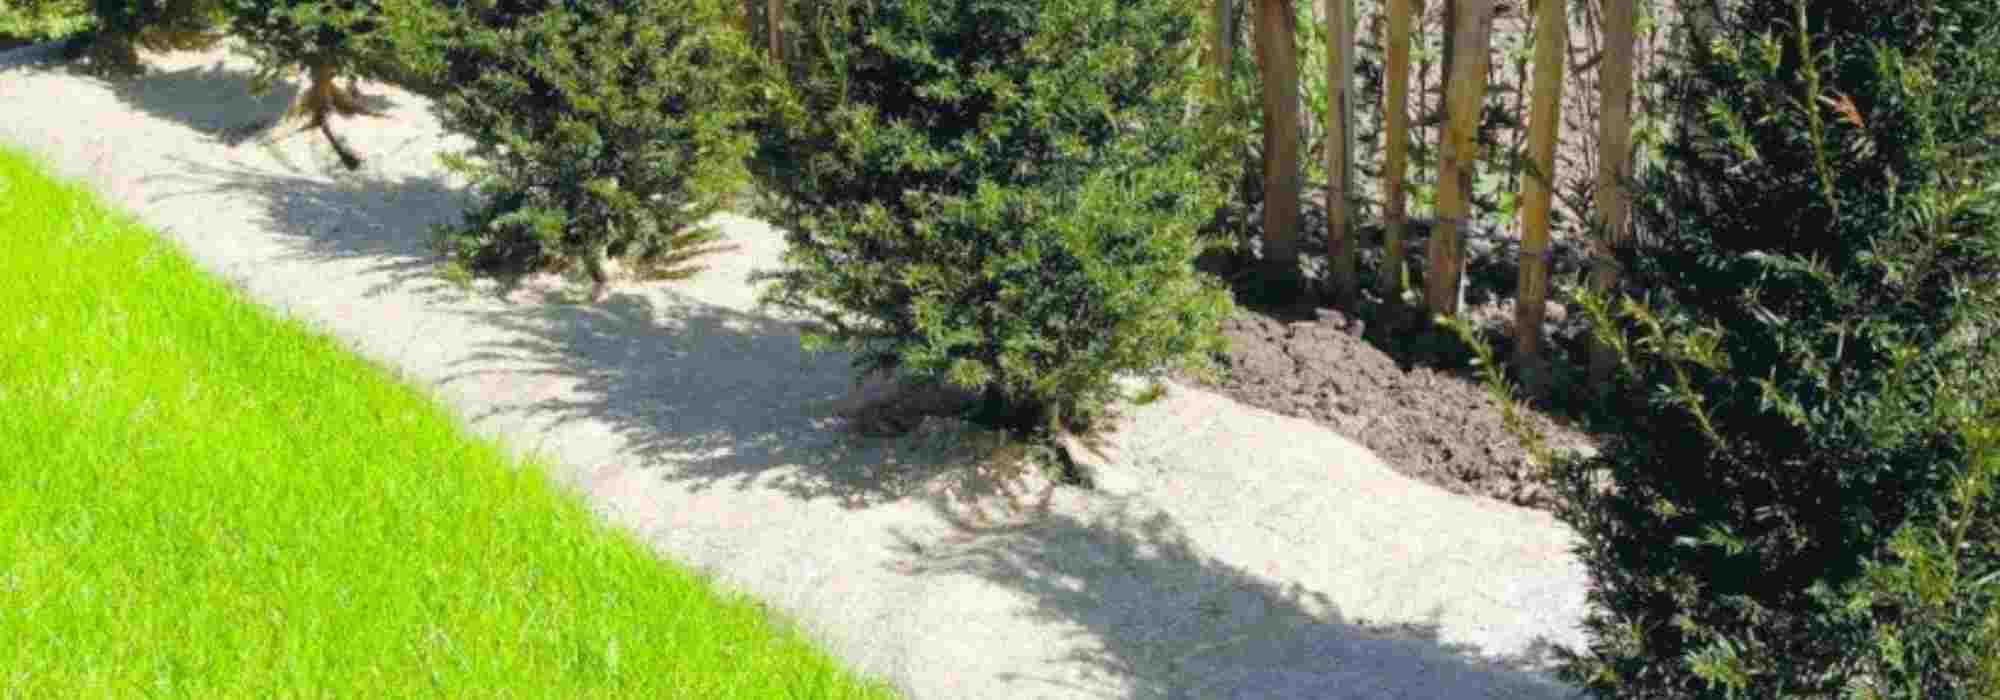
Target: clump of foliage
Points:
(602, 129)
(42, 20)
(125, 26)
(1004, 195)
(429, 42)
(329, 39)
(1800, 494)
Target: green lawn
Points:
(201, 498)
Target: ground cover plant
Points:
(1002, 195)
(601, 129)
(201, 499)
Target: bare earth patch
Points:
(1436, 425)
(1428, 417)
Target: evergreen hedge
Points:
(1800, 499)
(1004, 195)
(602, 129)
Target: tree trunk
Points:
(1466, 90)
(1449, 49)
(1221, 47)
(1396, 130)
(1223, 40)
(321, 100)
(774, 15)
(1614, 164)
(1276, 41)
(1551, 42)
(1342, 246)
(1448, 30)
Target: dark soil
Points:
(1411, 396)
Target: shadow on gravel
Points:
(720, 399)
(18, 54)
(725, 398)
(716, 398)
(358, 216)
(1151, 609)
(213, 100)
(216, 100)
(711, 397)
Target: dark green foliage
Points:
(1002, 194)
(124, 26)
(603, 128)
(43, 20)
(433, 52)
(162, 25)
(1927, 624)
(1812, 374)
(283, 35)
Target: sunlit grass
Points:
(201, 498)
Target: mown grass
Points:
(202, 498)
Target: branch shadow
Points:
(702, 393)
(357, 216)
(216, 100)
(713, 398)
(1150, 608)
(716, 398)
(20, 54)
(710, 397)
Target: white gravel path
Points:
(1230, 553)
